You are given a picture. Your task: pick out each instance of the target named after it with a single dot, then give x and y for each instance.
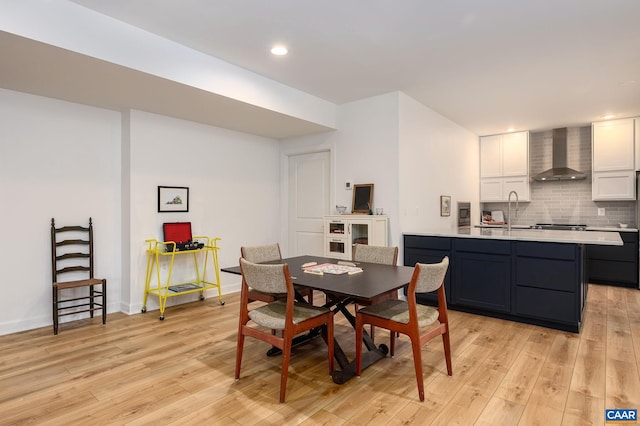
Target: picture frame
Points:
(445, 205)
(362, 198)
(173, 199)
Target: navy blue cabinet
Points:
(613, 264)
(418, 249)
(532, 282)
(482, 274)
(549, 281)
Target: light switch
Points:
(348, 185)
(600, 211)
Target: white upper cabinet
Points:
(637, 141)
(614, 160)
(504, 166)
(515, 154)
(613, 145)
(491, 156)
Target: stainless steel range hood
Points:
(560, 171)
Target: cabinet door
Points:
(491, 189)
(615, 186)
(482, 281)
(613, 145)
(360, 232)
(490, 156)
(338, 248)
(378, 231)
(519, 184)
(637, 142)
(515, 154)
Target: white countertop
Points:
(605, 238)
(611, 229)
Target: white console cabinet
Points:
(341, 232)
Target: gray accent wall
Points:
(566, 201)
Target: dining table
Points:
(363, 284)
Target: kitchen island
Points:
(527, 275)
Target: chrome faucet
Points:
(509, 209)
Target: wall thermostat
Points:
(347, 185)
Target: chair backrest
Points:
(259, 254)
(266, 278)
(375, 254)
(431, 276)
(71, 251)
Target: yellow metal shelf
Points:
(157, 250)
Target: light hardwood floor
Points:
(138, 370)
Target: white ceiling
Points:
(487, 65)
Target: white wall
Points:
(233, 181)
(50, 149)
(437, 157)
(412, 155)
(59, 160)
(409, 152)
(364, 150)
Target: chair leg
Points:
(330, 343)
(371, 332)
(55, 310)
(417, 361)
(310, 297)
(91, 301)
(104, 301)
(447, 351)
(286, 356)
(239, 348)
(392, 343)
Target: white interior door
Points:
(309, 197)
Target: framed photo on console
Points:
(173, 199)
(362, 198)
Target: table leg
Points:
(347, 368)
(372, 355)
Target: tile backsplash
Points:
(566, 201)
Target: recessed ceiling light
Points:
(511, 129)
(607, 116)
(279, 50)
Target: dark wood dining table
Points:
(366, 287)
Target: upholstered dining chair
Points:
(288, 316)
(376, 254)
(268, 253)
(408, 317)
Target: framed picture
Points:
(362, 198)
(173, 199)
(445, 205)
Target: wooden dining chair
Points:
(408, 317)
(376, 254)
(72, 269)
(288, 316)
(268, 253)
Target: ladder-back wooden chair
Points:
(72, 256)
